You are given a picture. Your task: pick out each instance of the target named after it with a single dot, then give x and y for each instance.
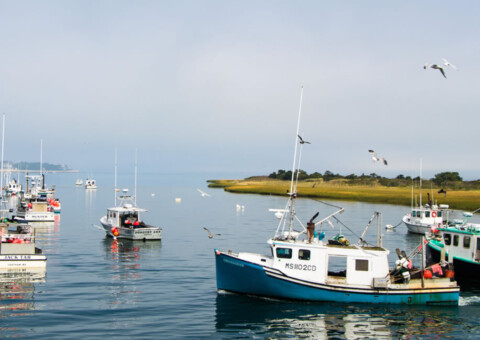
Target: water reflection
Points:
(125, 257)
(17, 287)
(242, 316)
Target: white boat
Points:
(34, 210)
(124, 221)
(302, 266)
(17, 248)
(13, 188)
(79, 183)
(422, 218)
(90, 184)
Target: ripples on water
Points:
(96, 287)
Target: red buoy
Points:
(427, 274)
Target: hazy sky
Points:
(215, 85)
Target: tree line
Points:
(448, 179)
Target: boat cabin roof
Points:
(126, 209)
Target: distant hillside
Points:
(35, 166)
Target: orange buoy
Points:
(427, 274)
(449, 273)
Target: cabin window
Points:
(455, 240)
(448, 239)
(427, 213)
(466, 242)
(284, 253)
(439, 213)
(304, 254)
(361, 265)
(337, 266)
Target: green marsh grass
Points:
(340, 190)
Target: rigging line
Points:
(398, 224)
(354, 234)
(331, 205)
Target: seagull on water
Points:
(448, 64)
(436, 67)
(210, 235)
(375, 158)
(203, 193)
(302, 141)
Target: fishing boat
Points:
(90, 184)
(18, 250)
(123, 221)
(304, 266)
(459, 243)
(34, 210)
(421, 218)
(79, 183)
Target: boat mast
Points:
(296, 143)
(420, 182)
(293, 190)
(135, 193)
(115, 185)
(1, 180)
(41, 160)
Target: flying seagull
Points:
(448, 64)
(436, 67)
(442, 191)
(375, 158)
(302, 141)
(210, 235)
(203, 193)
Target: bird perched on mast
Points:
(375, 158)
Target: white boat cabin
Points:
(322, 263)
(428, 215)
(126, 216)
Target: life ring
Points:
(434, 214)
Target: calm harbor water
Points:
(96, 287)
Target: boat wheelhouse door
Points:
(477, 250)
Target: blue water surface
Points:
(97, 288)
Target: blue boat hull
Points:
(239, 276)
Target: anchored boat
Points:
(304, 266)
(124, 221)
(421, 218)
(90, 184)
(17, 248)
(459, 243)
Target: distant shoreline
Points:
(457, 199)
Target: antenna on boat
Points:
(115, 188)
(135, 193)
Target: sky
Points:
(215, 86)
